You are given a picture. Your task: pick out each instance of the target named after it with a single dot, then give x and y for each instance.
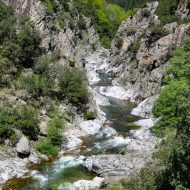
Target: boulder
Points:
(72, 142)
(144, 109)
(34, 158)
(23, 147)
(109, 132)
(96, 183)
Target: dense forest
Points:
(128, 4)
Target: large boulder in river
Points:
(23, 147)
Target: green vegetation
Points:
(134, 47)
(45, 147)
(52, 6)
(39, 81)
(171, 170)
(19, 40)
(156, 32)
(50, 144)
(175, 114)
(106, 17)
(166, 10)
(72, 85)
(23, 118)
(129, 4)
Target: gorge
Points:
(110, 138)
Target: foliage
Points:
(156, 32)
(134, 47)
(51, 5)
(166, 10)
(50, 145)
(129, 4)
(27, 121)
(168, 105)
(45, 147)
(5, 68)
(106, 17)
(54, 135)
(54, 126)
(174, 100)
(23, 118)
(106, 42)
(171, 169)
(81, 23)
(71, 82)
(89, 115)
(19, 40)
(6, 125)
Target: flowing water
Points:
(68, 168)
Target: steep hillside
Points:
(82, 79)
(129, 4)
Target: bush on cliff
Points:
(71, 82)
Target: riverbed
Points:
(113, 138)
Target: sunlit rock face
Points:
(140, 73)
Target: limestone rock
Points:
(23, 147)
(83, 184)
(144, 109)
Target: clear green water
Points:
(119, 114)
(49, 175)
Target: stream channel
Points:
(68, 168)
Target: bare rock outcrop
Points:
(140, 63)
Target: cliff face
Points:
(72, 42)
(140, 62)
(137, 61)
(140, 50)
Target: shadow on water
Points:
(118, 113)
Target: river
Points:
(69, 167)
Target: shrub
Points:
(57, 121)
(89, 115)
(27, 121)
(81, 23)
(45, 147)
(35, 84)
(19, 40)
(166, 10)
(105, 42)
(23, 118)
(94, 47)
(134, 47)
(5, 67)
(156, 32)
(29, 40)
(72, 63)
(71, 82)
(54, 135)
(6, 125)
(61, 21)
